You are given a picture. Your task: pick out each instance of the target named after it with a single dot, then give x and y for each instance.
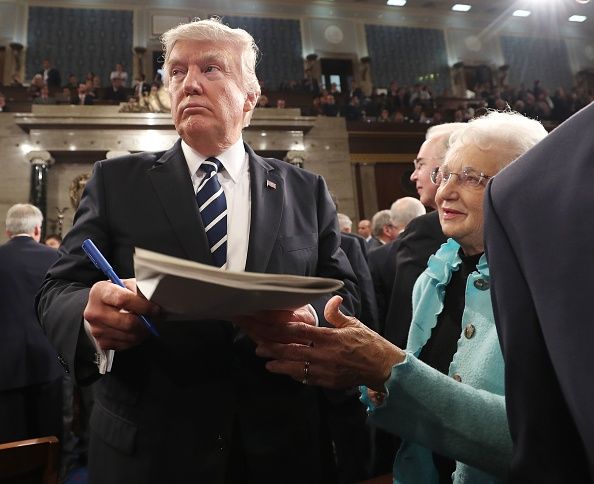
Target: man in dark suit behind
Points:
(421, 238)
(30, 376)
(196, 403)
(382, 259)
(542, 298)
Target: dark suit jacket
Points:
(196, 402)
(540, 246)
(382, 265)
(26, 356)
(76, 100)
(353, 247)
(421, 238)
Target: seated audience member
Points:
(65, 97)
(141, 87)
(36, 86)
(30, 375)
(384, 117)
(120, 74)
(116, 92)
(72, 84)
(281, 104)
(82, 98)
(53, 240)
(263, 102)
(97, 82)
(444, 394)
(399, 117)
(382, 228)
(352, 111)
(44, 97)
(330, 108)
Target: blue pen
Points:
(97, 258)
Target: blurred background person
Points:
(30, 374)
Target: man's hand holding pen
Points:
(111, 312)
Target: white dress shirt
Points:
(235, 181)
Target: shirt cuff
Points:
(103, 359)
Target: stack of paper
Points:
(187, 290)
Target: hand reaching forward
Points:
(111, 312)
(345, 356)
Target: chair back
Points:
(33, 461)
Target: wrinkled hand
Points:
(271, 326)
(342, 357)
(112, 315)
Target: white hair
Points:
(22, 218)
(507, 133)
(344, 221)
(405, 209)
(213, 30)
(441, 134)
(381, 218)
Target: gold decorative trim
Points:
(382, 157)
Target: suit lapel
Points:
(267, 192)
(171, 181)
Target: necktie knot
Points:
(211, 165)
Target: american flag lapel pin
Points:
(270, 184)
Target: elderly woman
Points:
(444, 394)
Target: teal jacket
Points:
(461, 415)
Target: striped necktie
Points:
(213, 210)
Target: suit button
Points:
(457, 377)
(469, 331)
(481, 284)
(220, 443)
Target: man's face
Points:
(207, 101)
(427, 159)
(46, 64)
(364, 228)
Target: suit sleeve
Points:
(451, 418)
(65, 291)
(332, 261)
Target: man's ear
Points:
(37, 233)
(250, 102)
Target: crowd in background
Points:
(397, 104)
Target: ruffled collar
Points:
(447, 260)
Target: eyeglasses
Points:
(469, 177)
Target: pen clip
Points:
(89, 247)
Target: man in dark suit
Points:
(542, 294)
(81, 97)
(51, 76)
(196, 403)
(30, 376)
(422, 236)
(381, 259)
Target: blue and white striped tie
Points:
(213, 210)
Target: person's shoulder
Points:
(292, 174)
(141, 159)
